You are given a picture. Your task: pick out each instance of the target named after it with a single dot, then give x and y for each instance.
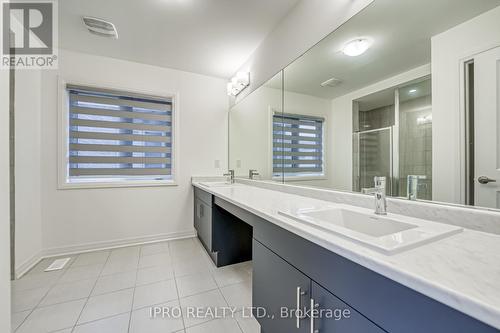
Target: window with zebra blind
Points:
(117, 136)
(297, 145)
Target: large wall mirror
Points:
(253, 123)
(409, 90)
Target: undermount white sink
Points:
(388, 234)
(371, 225)
(217, 184)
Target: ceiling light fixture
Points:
(412, 91)
(357, 47)
(238, 83)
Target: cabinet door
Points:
(277, 285)
(203, 223)
(333, 315)
(197, 218)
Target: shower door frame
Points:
(391, 129)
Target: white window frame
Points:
(63, 139)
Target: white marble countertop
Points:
(461, 271)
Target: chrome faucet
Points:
(230, 174)
(252, 173)
(412, 186)
(379, 192)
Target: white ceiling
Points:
(401, 30)
(212, 37)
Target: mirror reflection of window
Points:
(298, 145)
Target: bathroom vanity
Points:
(226, 239)
(426, 288)
(411, 114)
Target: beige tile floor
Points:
(113, 291)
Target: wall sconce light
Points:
(238, 83)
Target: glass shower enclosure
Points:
(374, 157)
(392, 137)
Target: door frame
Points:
(463, 114)
(469, 133)
(12, 167)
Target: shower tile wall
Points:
(415, 145)
(376, 118)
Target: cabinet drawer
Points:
(203, 196)
(203, 223)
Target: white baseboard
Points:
(113, 244)
(28, 264)
(98, 246)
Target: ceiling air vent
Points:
(333, 82)
(100, 27)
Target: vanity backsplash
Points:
(479, 219)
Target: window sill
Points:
(115, 184)
(303, 178)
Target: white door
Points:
(487, 128)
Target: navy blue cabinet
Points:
(332, 315)
(203, 218)
(291, 272)
(296, 304)
(280, 289)
(227, 239)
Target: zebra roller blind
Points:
(115, 134)
(297, 145)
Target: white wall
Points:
(449, 49)
(340, 160)
(4, 204)
(306, 24)
(28, 243)
(87, 218)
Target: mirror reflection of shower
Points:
(392, 137)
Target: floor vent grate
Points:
(57, 264)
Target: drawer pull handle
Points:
(299, 294)
(313, 306)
